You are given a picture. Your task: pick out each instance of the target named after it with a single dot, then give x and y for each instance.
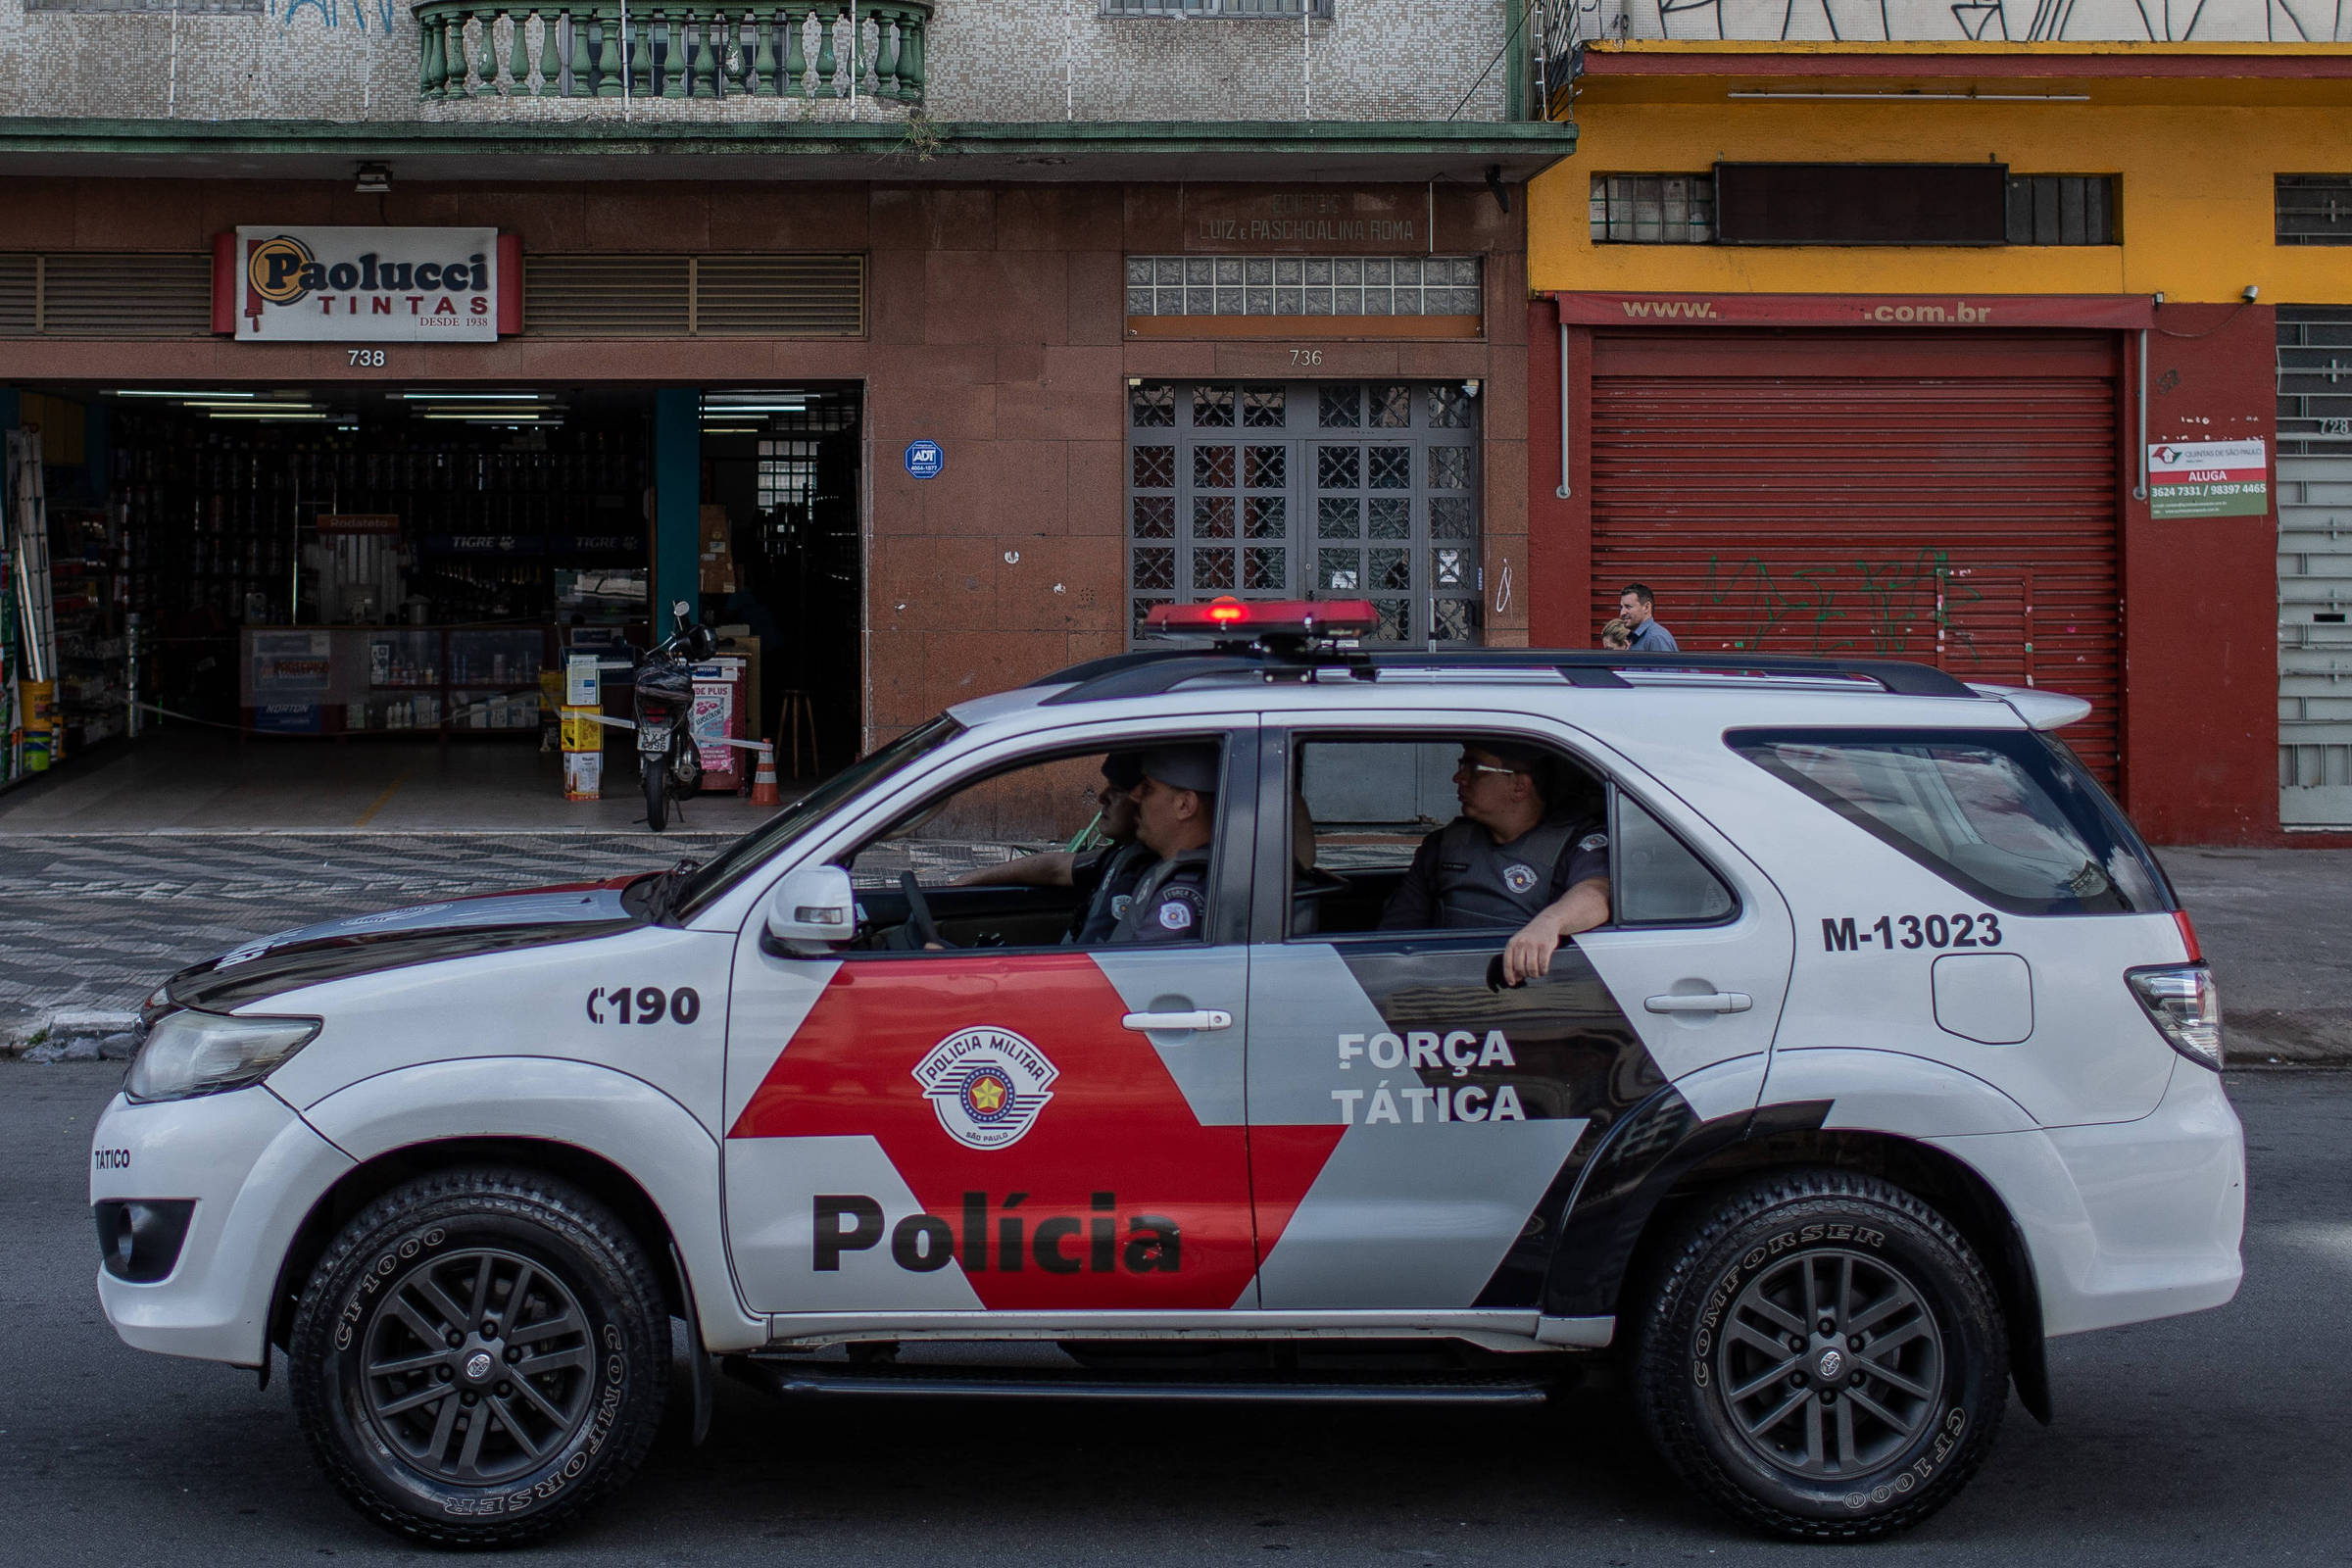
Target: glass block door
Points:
(1396, 498)
(1268, 490)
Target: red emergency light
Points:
(1264, 617)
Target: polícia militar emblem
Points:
(987, 1085)
(1518, 878)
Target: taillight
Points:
(2181, 1000)
(2189, 935)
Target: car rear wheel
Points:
(479, 1356)
(1825, 1357)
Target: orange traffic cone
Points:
(764, 782)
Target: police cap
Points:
(1182, 767)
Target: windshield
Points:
(732, 864)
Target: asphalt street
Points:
(2225, 1437)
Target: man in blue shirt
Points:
(1633, 607)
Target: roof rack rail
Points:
(1149, 674)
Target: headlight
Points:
(190, 1052)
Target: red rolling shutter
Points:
(1948, 499)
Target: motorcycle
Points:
(666, 756)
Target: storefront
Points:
(920, 443)
(2015, 418)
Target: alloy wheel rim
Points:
(1830, 1364)
(477, 1366)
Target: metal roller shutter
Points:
(1949, 500)
(2315, 567)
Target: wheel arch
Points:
(593, 1173)
(1933, 1175)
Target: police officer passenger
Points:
(1107, 876)
(1176, 814)
(1509, 860)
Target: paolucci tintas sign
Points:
(366, 285)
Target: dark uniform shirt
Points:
(1170, 903)
(1108, 877)
(1461, 878)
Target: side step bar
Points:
(790, 1380)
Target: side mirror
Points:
(812, 907)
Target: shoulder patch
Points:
(1594, 841)
(1176, 914)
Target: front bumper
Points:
(253, 1169)
(2126, 1221)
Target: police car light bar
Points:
(1264, 617)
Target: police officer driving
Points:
(1518, 856)
(1107, 876)
(1176, 814)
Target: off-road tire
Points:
(589, 1418)
(1758, 1245)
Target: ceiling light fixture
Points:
(149, 392)
(373, 179)
(1924, 97)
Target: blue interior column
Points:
(677, 503)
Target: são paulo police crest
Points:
(986, 1086)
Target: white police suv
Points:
(1880, 1053)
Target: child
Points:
(1616, 634)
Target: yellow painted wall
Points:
(2195, 196)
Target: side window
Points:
(2003, 815)
(1055, 851)
(1660, 881)
(1509, 825)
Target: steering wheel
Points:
(918, 911)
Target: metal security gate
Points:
(2315, 567)
(1945, 499)
(1335, 489)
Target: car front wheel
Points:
(479, 1356)
(1825, 1358)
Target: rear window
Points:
(2005, 815)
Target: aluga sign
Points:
(368, 285)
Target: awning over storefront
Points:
(946, 152)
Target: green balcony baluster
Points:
(452, 55)
(584, 82)
(764, 61)
(608, 80)
(706, 64)
(551, 69)
(428, 57)
(887, 23)
(740, 31)
(910, 60)
(519, 53)
(641, 54)
(828, 69)
(796, 57)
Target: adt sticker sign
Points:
(924, 459)
(2208, 479)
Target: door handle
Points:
(1706, 1001)
(1202, 1018)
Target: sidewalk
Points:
(90, 922)
(2277, 925)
